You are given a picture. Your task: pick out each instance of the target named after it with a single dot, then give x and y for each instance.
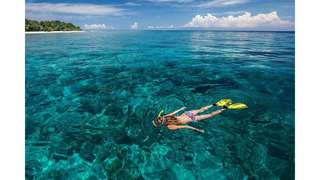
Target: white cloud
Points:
(227, 13)
(135, 25)
(131, 4)
(170, 1)
(75, 8)
(245, 20)
(97, 27)
(161, 27)
(221, 3)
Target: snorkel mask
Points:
(155, 121)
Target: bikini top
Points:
(171, 120)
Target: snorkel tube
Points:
(159, 115)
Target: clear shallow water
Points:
(90, 99)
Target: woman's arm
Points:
(175, 112)
(175, 127)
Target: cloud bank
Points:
(74, 8)
(245, 20)
(221, 3)
(161, 27)
(170, 1)
(131, 4)
(97, 27)
(135, 25)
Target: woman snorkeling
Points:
(174, 122)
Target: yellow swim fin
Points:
(237, 106)
(223, 102)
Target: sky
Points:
(167, 14)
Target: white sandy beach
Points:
(51, 32)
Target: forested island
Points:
(33, 25)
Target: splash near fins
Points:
(237, 106)
(223, 102)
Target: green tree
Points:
(32, 25)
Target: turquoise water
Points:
(90, 99)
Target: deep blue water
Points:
(90, 99)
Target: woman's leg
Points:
(197, 111)
(207, 116)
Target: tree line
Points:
(33, 25)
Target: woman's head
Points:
(158, 121)
(163, 120)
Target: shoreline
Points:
(51, 32)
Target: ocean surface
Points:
(91, 97)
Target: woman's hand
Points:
(201, 130)
(175, 127)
